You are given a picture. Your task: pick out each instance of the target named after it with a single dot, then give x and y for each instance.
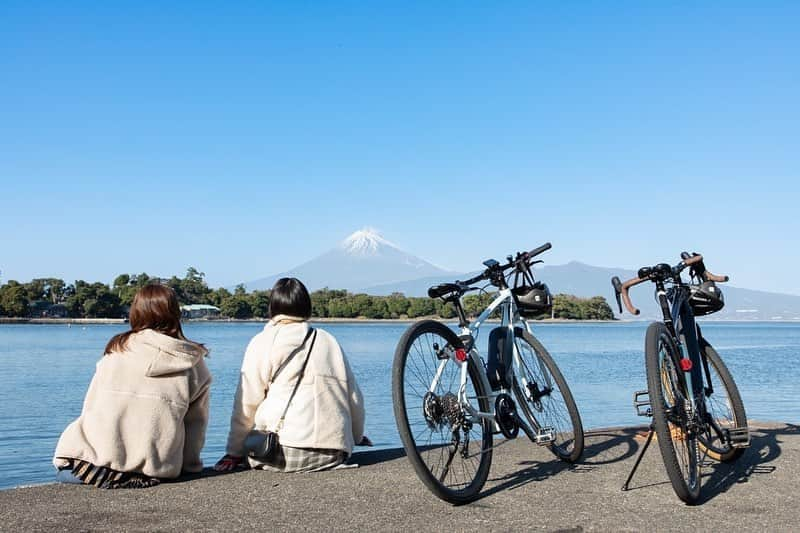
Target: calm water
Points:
(45, 369)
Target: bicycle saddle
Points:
(444, 289)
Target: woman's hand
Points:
(228, 463)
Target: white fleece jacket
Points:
(328, 409)
(146, 409)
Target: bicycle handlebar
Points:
(661, 272)
(701, 270)
(483, 275)
(543, 248)
(626, 298)
(487, 274)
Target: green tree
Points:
(598, 309)
(259, 303)
(320, 300)
(193, 287)
(377, 308)
(236, 306)
(444, 309)
(341, 308)
(34, 290)
(574, 308)
(14, 299)
(218, 296)
(397, 305)
(54, 289)
(125, 286)
(93, 300)
(49, 289)
(420, 307)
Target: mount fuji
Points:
(364, 259)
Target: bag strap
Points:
(290, 357)
(299, 379)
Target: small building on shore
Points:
(46, 309)
(57, 311)
(199, 311)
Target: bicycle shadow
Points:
(601, 447)
(765, 447)
(612, 445)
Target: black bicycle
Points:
(694, 403)
(449, 401)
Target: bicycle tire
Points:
(667, 396)
(556, 409)
(728, 416)
(411, 381)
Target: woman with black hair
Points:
(325, 416)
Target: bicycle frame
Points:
(680, 322)
(509, 317)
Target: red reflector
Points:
(461, 354)
(686, 364)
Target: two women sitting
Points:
(146, 411)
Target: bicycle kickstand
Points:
(650, 433)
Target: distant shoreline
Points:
(114, 321)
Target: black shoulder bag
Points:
(263, 444)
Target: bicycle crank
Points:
(505, 413)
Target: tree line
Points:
(97, 300)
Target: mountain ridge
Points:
(366, 262)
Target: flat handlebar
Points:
(487, 274)
(543, 248)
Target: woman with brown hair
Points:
(145, 413)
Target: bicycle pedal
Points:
(738, 437)
(641, 402)
(544, 436)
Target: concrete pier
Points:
(528, 489)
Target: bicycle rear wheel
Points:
(668, 399)
(724, 406)
(545, 398)
(450, 450)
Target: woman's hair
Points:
(290, 297)
(154, 307)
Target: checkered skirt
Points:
(290, 459)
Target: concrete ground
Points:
(528, 489)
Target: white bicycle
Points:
(449, 401)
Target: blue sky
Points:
(246, 138)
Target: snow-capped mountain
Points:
(362, 260)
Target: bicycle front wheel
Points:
(449, 448)
(545, 398)
(668, 400)
(724, 406)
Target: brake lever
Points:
(617, 291)
(695, 271)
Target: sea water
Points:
(45, 370)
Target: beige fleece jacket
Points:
(328, 409)
(146, 409)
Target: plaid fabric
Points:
(301, 460)
(107, 478)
